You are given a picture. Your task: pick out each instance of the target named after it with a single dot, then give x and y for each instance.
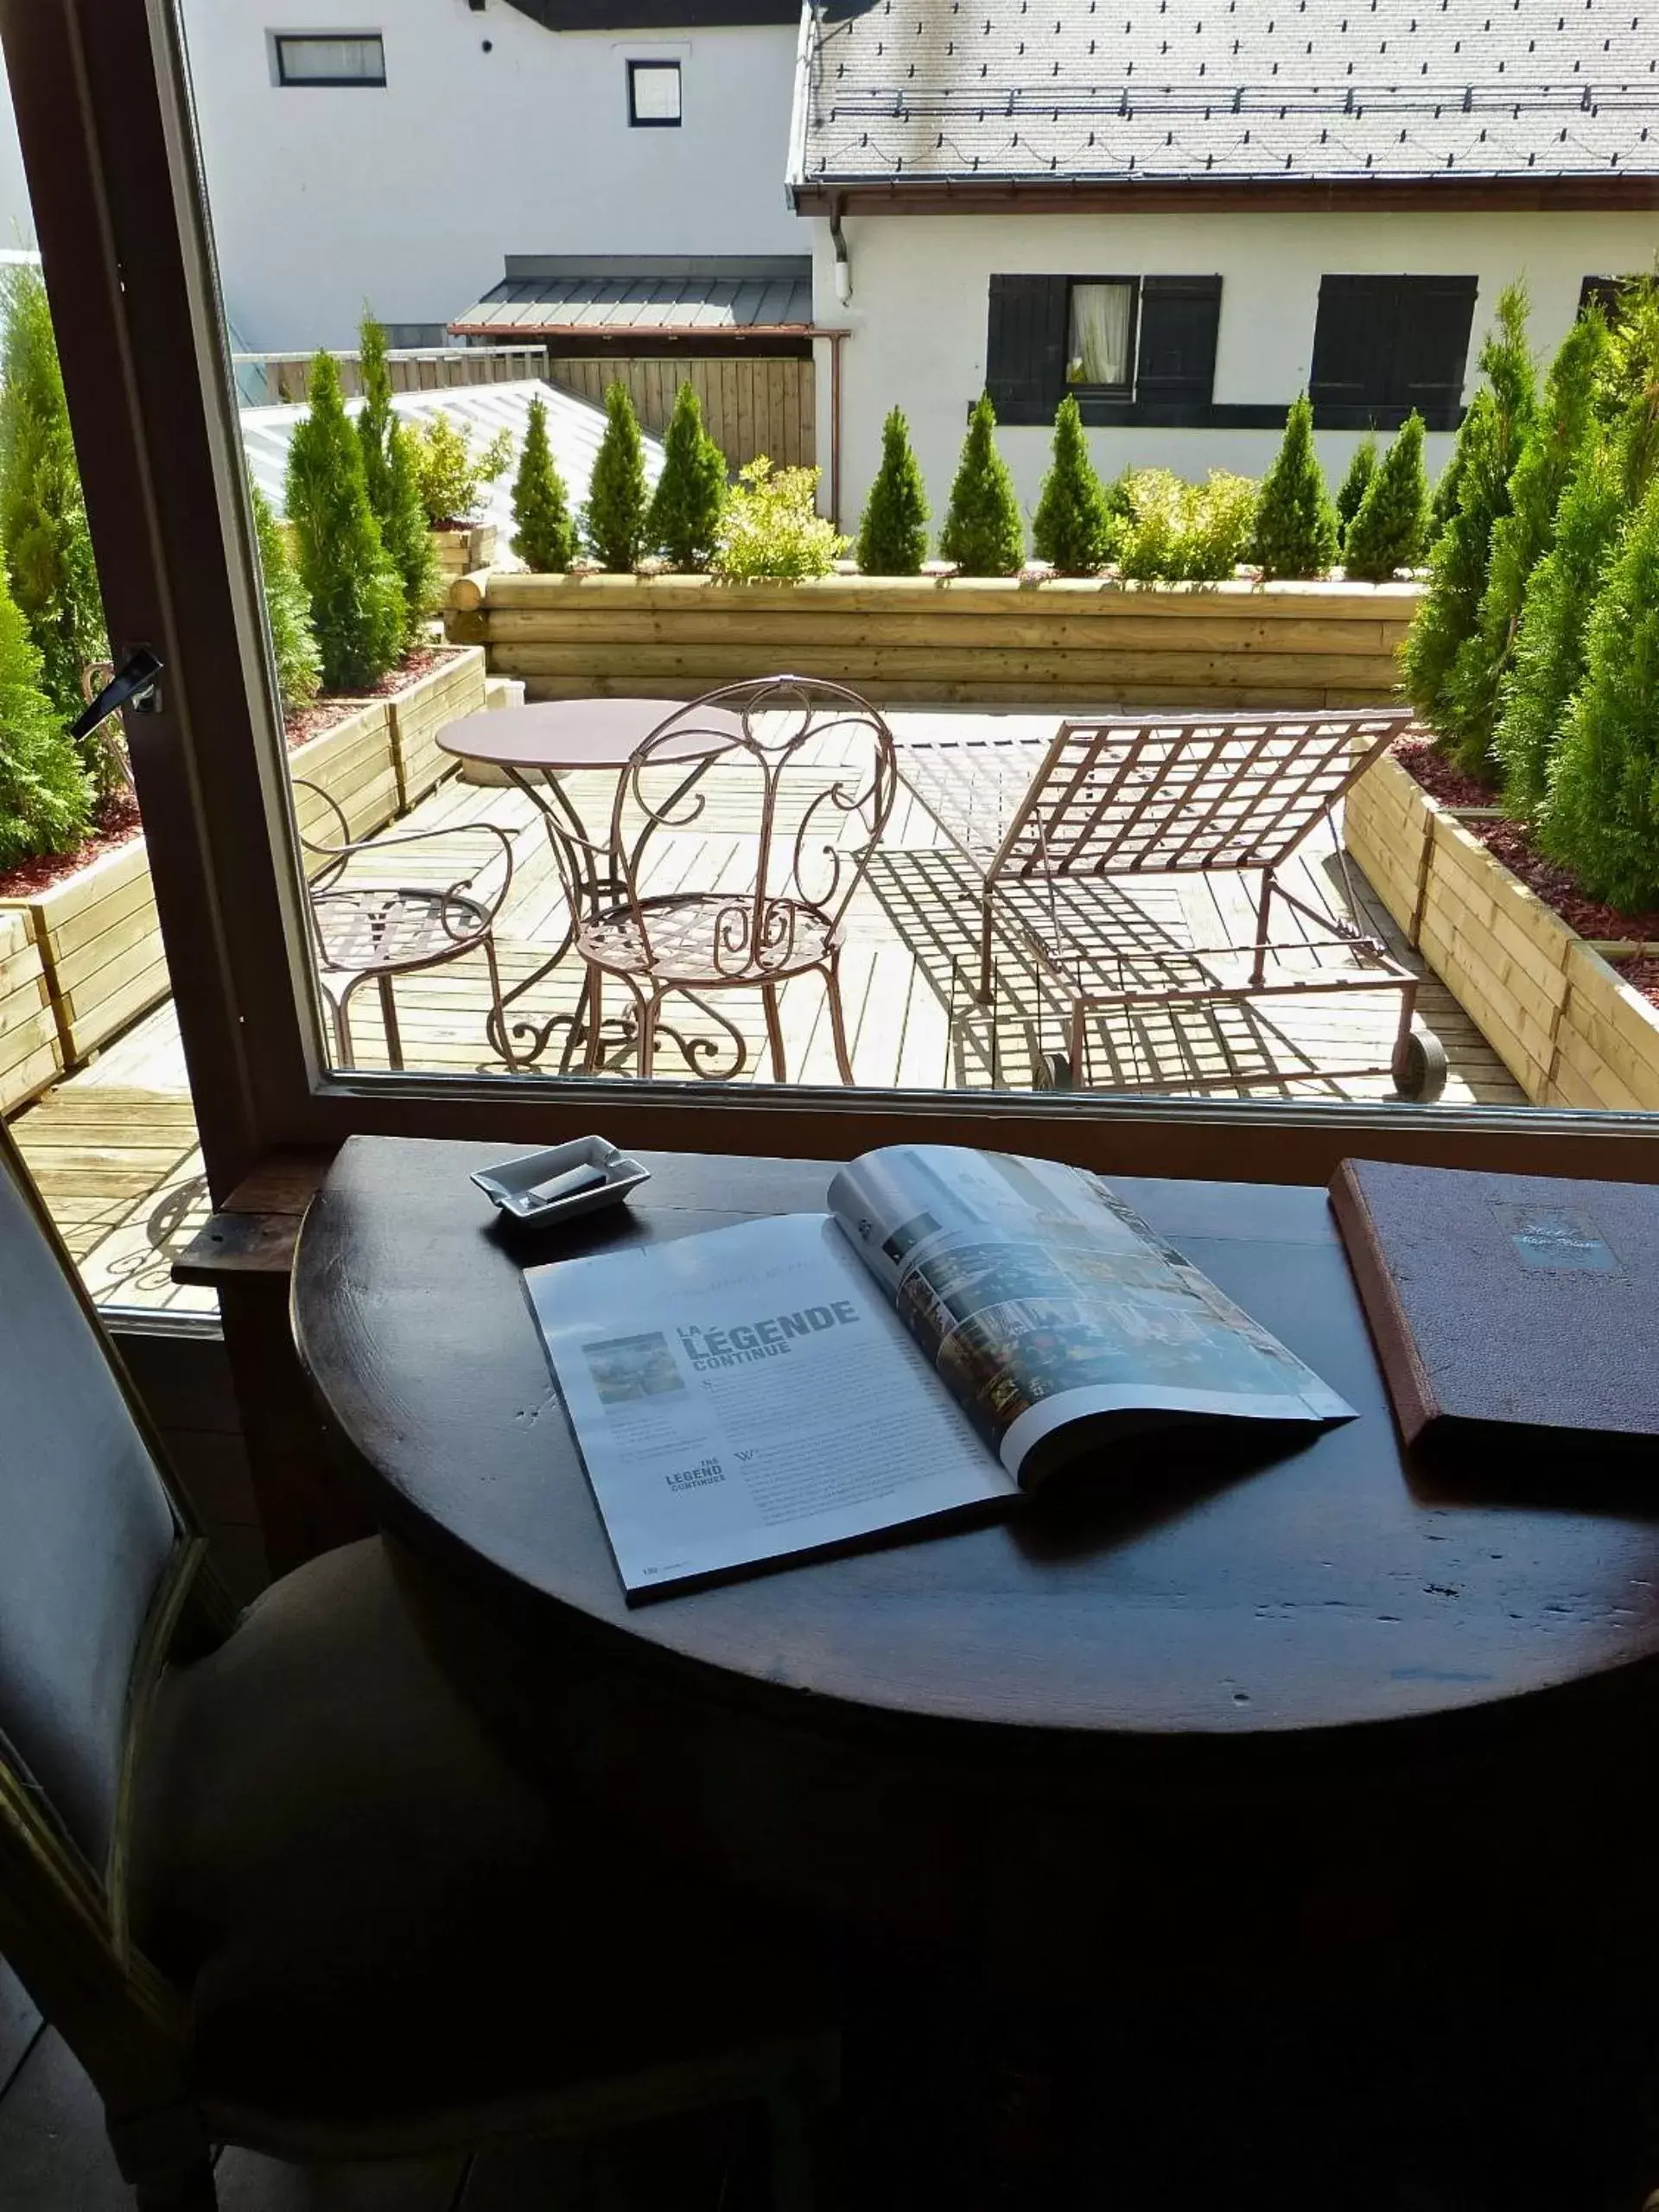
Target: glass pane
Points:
(656, 90)
(1102, 316)
(331, 61)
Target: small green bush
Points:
(770, 527)
(1563, 421)
(983, 533)
(1295, 522)
(1600, 817)
(356, 596)
(1488, 446)
(1356, 484)
(1387, 529)
(545, 536)
(684, 522)
(614, 521)
(893, 534)
(1170, 531)
(49, 549)
(299, 665)
(45, 799)
(452, 478)
(1073, 527)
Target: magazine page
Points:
(747, 1394)
(1043, 1300)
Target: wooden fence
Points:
(284, 379)
(1077, 643)
(750, 407)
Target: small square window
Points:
(331, 59)
(654, 95)
(1100, 346)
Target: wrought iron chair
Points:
(809, 777)
(372, 931)
(273, 1880)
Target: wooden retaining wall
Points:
(31, 1053)
(417, 716)
(355, 764)
(284, 379)
(1566, 1025)
(999, 641)
(100, 946)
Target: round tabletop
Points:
(556, 734)
(1190, 1623)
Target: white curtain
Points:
(1100, 333)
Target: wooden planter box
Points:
(1567, 1025)
(1002, 641)
(100, 942)
(418, 714)
(355, 764)
(31, 1052)
(460, 550)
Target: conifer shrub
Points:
(357, 609)
(390, 479)
(544, 535)
(376, 415)
(45, 797)
(892, 533)
(1564, 419)
(1295, 522)
(1073, 527)
(984, 532)
(48, 548)
(1600, 815)
(1444, 503)
(1388, 526)
(1488, 445)
(299, 665)
(771, 526)
(614, 521)
(684, 521)
(1352, 492)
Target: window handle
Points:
(136, 683)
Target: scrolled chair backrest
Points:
(791, 778)
(91, 1542)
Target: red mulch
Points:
(1508, 843)
(116, 822)
(307, 722)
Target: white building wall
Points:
(918, 307)
(410, 195)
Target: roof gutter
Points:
(918, 195)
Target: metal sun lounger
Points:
(1187, 794)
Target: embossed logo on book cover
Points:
(1557, 1240)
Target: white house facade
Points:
(1190, 213)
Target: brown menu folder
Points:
(1522, 1303)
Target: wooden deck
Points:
(114, 1150)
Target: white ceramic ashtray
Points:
(563, 1182)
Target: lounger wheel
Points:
(1054, 1072)
(1422, 1076)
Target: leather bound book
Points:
(1522, 1303)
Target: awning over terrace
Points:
(645, 299)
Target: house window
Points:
(1608, 291)
(654, 95)
(1385, 345)
(1138, 349)
(332, 58)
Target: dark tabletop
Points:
(1330, 1588)
(577, 733)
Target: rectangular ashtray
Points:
(517, 1186)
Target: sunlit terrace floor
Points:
(114, 1146)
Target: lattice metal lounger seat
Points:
(1196, 794)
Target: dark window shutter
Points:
(1430, 348)
(1024, 347)
(1350, 342)
(1180, 317)
(1608, 292)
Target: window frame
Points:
(282, 40)
(126, 245)
(1118, 393)
(657, 65)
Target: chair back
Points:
(791, 781)
(1178, 794)
(87, 1533)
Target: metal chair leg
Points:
(649, 1010)
(774, 1031)
(388, 1015)
(837, 1019)
(593, 1058)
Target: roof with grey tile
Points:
(721, 295)
(1219, 89)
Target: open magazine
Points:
(958, 1326)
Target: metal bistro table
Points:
(1329, 1721)
(536, 746)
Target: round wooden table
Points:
(1198, 1708)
